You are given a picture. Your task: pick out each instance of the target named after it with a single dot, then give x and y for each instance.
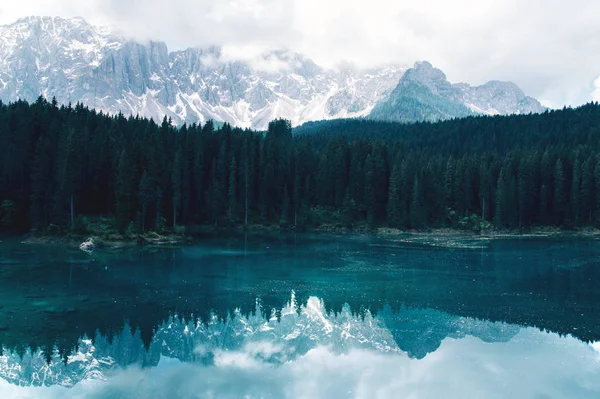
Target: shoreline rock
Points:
(88, 245)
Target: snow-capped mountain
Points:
(424, 94)
(78, 62)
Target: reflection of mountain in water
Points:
(283, 336)
(421, 331)
(52, 296)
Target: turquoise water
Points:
(303, 316)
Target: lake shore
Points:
(89, 242)
(433, 236)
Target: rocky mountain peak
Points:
(78, 62)
(75, 61)
(424, 93)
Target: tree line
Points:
(59, 164)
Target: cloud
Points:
(596, 92)
(555, 367)
(548, 47)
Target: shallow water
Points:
(303, 316)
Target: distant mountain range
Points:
(77, 62)
(424, 94)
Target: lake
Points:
(303, 316)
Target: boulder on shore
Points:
(88, 245)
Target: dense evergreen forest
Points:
(60, 166)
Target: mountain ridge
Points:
(425, 94)
(75, 61)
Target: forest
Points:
(62, 165)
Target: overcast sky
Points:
(550, 48)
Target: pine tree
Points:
(245, 164)
(369, 194)
(159, 222)
(176, 181)
(125, 183)
(587, 190)
(285, 207)
(597, 191)
(449, 184)
(146, 196)
(60, 162)
(394, 211)
(214, 194)
(231, 194)
(560, 193)
(198, 184)
(348, 210)
(7, 209)
(547, 181)
(416, 211)
(544, 200)
(500, 200)
(575, 199)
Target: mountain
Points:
(424, 94)
(286, 335)
(78, 62)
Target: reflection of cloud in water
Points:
(297, 352)
(596, 348)
(534, 364)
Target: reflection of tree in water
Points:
(53, 298)
(287, 333)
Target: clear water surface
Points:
(303, 317)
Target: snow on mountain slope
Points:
(77, 62)
(424, 94)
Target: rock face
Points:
(424, 94)
(78, 62)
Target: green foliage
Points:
(180, 230)
(53, 230)
(474, 223)
(71, 169)
(413, 101)
(81, 225)
(322, 216)
(131, 230)
(161, 225)
(7, 209)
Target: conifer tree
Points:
(416, 212)
(560, 193)
(575, 199)
(394, 211)
(285, 207)
(176, 181)
(232, 194)
(146, 196)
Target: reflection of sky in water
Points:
(427, 333)
(303, 351)
(533, 364)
